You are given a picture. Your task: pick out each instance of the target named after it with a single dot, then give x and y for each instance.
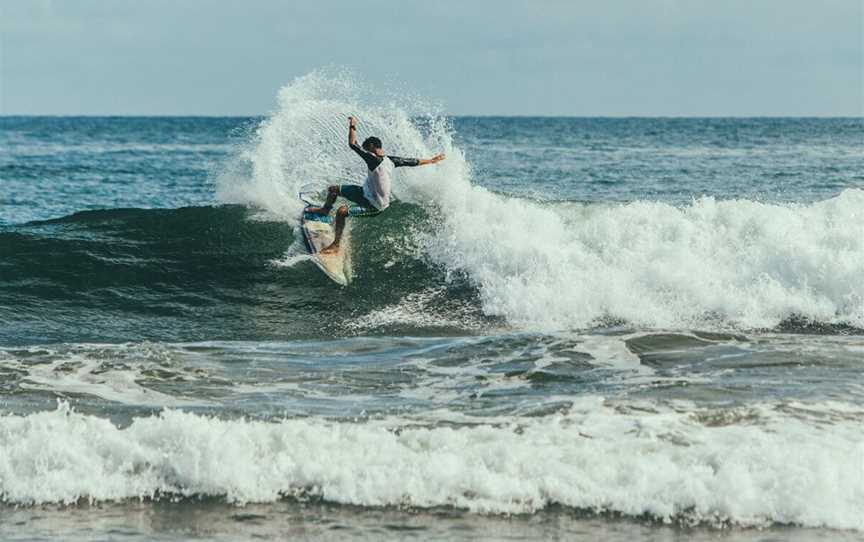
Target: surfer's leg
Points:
(332, 192)
(341, 214)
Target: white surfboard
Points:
(318, 233)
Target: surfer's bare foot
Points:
(332, 249)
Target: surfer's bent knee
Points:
(342, 211)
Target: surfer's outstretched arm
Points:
(434, 160)
(374, 160)
(411, 162)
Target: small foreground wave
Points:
(676, 464)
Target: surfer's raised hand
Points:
(352, 131)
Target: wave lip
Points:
(670, 465)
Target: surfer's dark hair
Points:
(372, 143)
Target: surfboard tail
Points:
(318, 233)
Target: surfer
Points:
(374, 196)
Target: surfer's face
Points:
(378, 151)
(373, 145)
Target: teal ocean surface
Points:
(610, 328)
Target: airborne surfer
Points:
(374, 196)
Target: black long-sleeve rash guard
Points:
(373, 160)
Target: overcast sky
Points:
(482, 57)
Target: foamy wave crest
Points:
(691, 467)
(737, 263)
(304, 141)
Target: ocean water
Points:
(571, 328)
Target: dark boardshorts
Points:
(354, 194)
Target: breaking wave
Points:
(563, 265)
(597, 457)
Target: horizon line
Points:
(251, 116)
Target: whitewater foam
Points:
(558, 266)
(737, 263)
(99, 371)
(597, 457)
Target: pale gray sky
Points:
(553, 57)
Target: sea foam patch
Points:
(667, 463)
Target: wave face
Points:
(557, 265)
(197, 273)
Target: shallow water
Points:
(207, 520)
